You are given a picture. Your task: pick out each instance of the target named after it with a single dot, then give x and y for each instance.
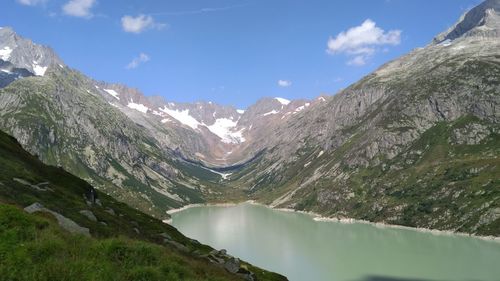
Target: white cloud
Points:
(31, 2)
(140, 23)
(142, 58)
(284, 83)
(357, 61)
(362, 41)
(79, 8)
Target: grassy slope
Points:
(33, 247)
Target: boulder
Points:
(110, 211)
(232, 265)
(166, 236)
(63, 221)
(89, 215)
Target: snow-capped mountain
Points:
(223, 133)
(23, 53)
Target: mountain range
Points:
(414, 143)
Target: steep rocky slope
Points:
(415, 143)
(68, 230)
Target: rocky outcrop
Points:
(24, 54)
(64, 222)
(471, 134)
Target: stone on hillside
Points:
(166, 236)
(35, 207)
(178, 246)
(63, 221)
(110, 211)
(232, 265)
(89, 215)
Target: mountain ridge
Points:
(412, 143)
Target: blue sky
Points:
(231, 51)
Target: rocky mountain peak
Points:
(482, 21)
(23, 53)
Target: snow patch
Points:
(182, 116)
(240, 111)
(223, 129)
(223, 175)
(5, 53)
(270, 112)
(165, 120)
(321, 99)
(111, 92)
(445, 43)
(6, 71)
(39, 70)
(137, 106)
(320, 153)
(300, 108)
(282, 101)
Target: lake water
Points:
(295, 245)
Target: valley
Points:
(413, 144)
(394, 147)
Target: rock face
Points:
(482, 21)
(407, 144)
(23, 53)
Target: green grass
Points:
(33, 247)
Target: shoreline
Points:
(319, 218)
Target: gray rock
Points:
(166, 236)
(35, 207)
(63, 221)
(232, 265)
(178, 246)
(89, 215)
(471, 134)
(110, 211)
(43, 186)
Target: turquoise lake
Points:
(297, 246)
